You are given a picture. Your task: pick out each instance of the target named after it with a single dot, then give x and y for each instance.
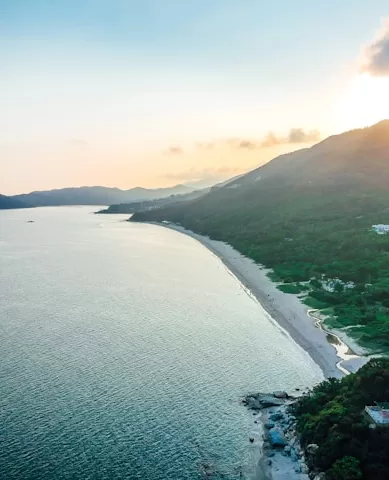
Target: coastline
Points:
(285, 310)
(304, 325)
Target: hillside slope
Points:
(309, 214)
(152, 204)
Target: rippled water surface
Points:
(125, 350)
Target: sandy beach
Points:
(284, 309)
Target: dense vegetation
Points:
(308, 216)
(332, 416)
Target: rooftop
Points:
(378, 414)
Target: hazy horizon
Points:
(124, 94)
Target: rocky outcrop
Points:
(312, 448)
(280, 394)
(320, 476)
(277, 438)
(280, 437)
(259, 401)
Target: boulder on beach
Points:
(320, 476)
(277, 438)
(259, 401)
(276, 417)
(253, 403)
(293, 455)
(270, 401)
(269, 425)
(280, 394)
(312, 448)
(304, 468)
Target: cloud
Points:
(270, 140)
(205, 145)
(295, 135)
(242, 144)
(376, 55)
(175, 150)
(77, 143)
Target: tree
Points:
(347, 468)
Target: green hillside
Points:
(333, 417)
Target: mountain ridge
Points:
(7, 203)
(97, 195)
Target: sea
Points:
(125, 352)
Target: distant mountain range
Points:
(97, 195)
(9, 202)
(308, 215)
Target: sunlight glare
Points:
(366, 103)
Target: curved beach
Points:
(286, 310)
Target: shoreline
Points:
(326, 348)
(282, 455)
(285, 310)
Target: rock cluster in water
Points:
(259, 401)
(280, 431)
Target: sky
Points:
(159, 92)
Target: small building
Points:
(381, 228)
(379, 413)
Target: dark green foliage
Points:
(332, 416)
(291, 288)
(347, 468)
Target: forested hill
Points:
(308, 214)
(151, 204)
(8, 203)
(333, 417)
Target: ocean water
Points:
(125, 351)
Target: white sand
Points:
(281, 467)
(286, 309)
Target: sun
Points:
(365, 103)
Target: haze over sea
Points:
(125, 351)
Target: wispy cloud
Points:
(294, 136)
(174, 150)
(77, 143)
(298, 135)
(376, 55)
